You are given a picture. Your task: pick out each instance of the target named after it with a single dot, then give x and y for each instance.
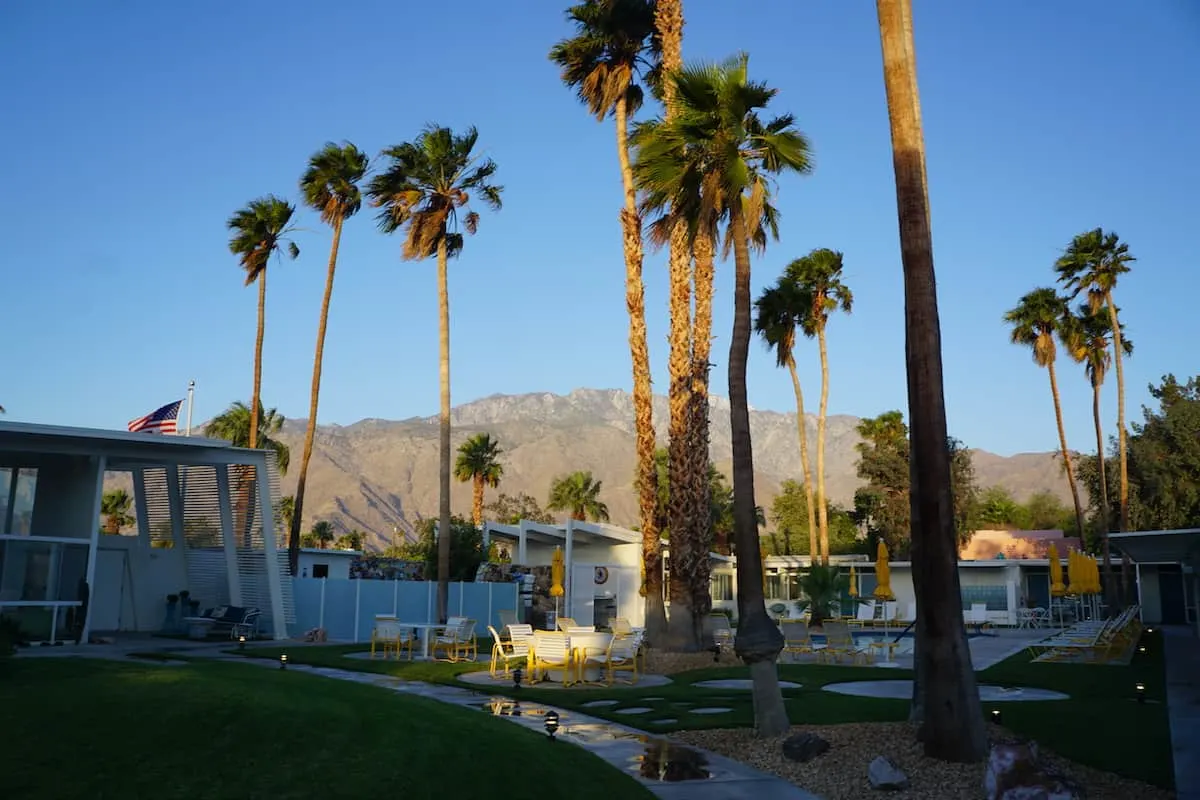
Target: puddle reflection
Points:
(665, 761)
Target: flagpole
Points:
(191, 396)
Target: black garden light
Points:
(283, 661)
(996, 718)
(517, 675)
(241, 643)
(1140, 689)
(716, 651)
(1142, 649)
(551, 722)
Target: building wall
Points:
(65, 497)
(336, 561)
(132, 583)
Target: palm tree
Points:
(717, 128)
(780, 310)
(820, 273)
(479, 462)
(287, 511)
(578, 494)
(425, 187)
(1086, 336)
(330, 187)
(115, 505)
(233, 425)
(1091, 265)
(1036, 321)
(260, 230)
(946, 698)
(614, 46)
(323, 533)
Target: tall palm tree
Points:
(1086, 336)
(614, 47)
(115, 505)
(1091, 265)
(330, 187)
(578, 494)
(424, 189)
(479, 462)
(946, 698)
(780, 310)
(1040, 317)
(260, 230)
(820, 273)
(718, 127)
(322, 532)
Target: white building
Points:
(188, 493)
(318, 563)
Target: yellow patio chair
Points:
(392, 637)
(620, 626)
(506, 655)
(465, 647)
(550, 651)
(447, 642)
(564, 623)
(840, 642)
(621, 655)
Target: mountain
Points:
(379, 475)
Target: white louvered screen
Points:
(158, 510)
(281, 541)
(207, 572)
(252, 568)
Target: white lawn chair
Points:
(865, 616)
(506, 655)
(551, 651)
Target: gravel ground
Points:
(659, 662)
(841, 773)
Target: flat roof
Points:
(1180, 546)
(124, 447)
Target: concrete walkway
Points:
(1183, 708)
(619, 746)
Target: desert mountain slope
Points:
(377, 475)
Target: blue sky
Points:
(134, 129)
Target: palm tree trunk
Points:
(758, 641)
(1105, 514)
(255, 400)
(477, 501)
(1066, 454)
(643, 396)
(822, 505)
(310, 429)
(952, 725)
(802, 431)
(443, 591)
(698, 449)
(1122, 454)
(668, 19)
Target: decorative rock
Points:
(1014, 773)
(599, 703)
(804, 747)
(710, 710)
(883, 774)
(633, 710)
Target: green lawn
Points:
(83, 728)
(1101, 725)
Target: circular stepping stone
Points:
(739, 683)
(664, 721)
(633, 710)
(902, 690)
(710, 710)
(652, 699)
(599, 703)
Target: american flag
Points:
(161, 421)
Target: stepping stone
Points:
(634, 710)
(711, 710)
(902, 690)
(738, 683)
(664, 721)
(599, 703)
(652, 699)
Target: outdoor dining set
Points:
(569, 655)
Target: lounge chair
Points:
(621, 655)
(452, 641)
(721, 632)
(839, 643)
(237, 620)
(977, 617)
(796, 638)
(392, 637)
(865, 616)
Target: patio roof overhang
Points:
(1161, 547)
(122, 450)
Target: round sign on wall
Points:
(601, 575)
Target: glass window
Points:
(22, 510)
(320, 571)
(5, 488)
(773, 587)
(722, 586)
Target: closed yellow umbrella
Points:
(853, 582)
(883, 574)
(1074, 568)
(1056, 578)
(1094, 573)
(557, 570)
